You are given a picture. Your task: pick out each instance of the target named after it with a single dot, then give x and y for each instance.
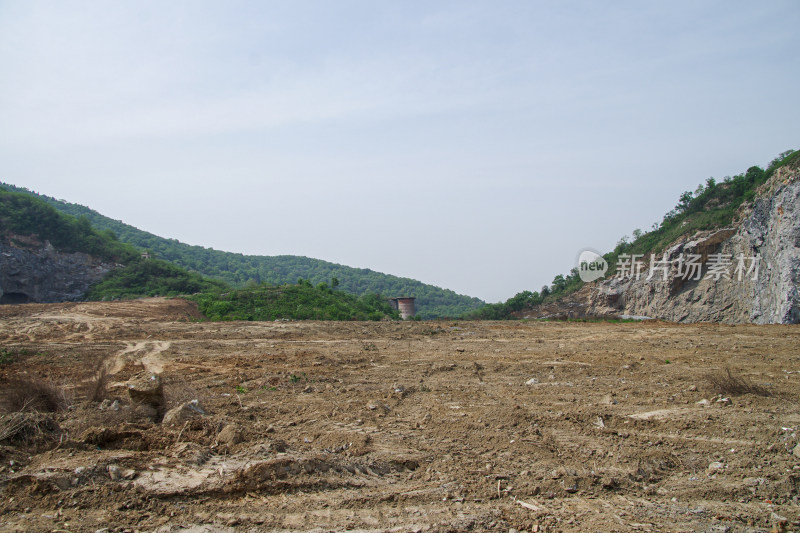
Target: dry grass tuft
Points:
(178, 391)
(725, 383)
(24, 394)
(26, 427)
(97, 390)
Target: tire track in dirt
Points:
(150, 359)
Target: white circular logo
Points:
(591, 265)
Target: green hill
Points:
(25, 215)
(301, 301)
(151, 277)
(239, 270)
(22, 214)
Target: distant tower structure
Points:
(406, 305)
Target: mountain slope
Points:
(749, 272)
(238, 269)
(730, 217)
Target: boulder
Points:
(145, 388)
(229, 435)
(183, 412)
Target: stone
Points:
(376, 405)
(146, 388)
(778, 520)
(146, 411)
(183, 412)
(229, 435)
(114, 472)
(570, 485)
(532, 381)
(715, 466)
(796, 451)
(609, 399)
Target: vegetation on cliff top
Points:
(711, 206)
(22, 214)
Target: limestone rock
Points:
(183, 412)
(145, 388)
(229, 435)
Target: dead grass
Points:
(178, 391)
(97, 389)
(26, 427)
(724, 382)
(25, 394)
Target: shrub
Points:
(725, 383)
(21, 394)
(97, 390)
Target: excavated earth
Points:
(398, 426)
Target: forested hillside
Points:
(239, 270)
(300, 301)
(22, 214)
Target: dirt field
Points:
(438, 426)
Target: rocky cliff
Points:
(747, 273)
(31, 271)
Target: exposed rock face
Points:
(35, 272)
(759, 284)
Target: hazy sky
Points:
(478, 146)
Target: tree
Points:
(684, 201)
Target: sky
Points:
(474, 145)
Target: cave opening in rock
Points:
(14, 298)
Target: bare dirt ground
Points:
(416, 426)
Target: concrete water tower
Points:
(406, 306)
